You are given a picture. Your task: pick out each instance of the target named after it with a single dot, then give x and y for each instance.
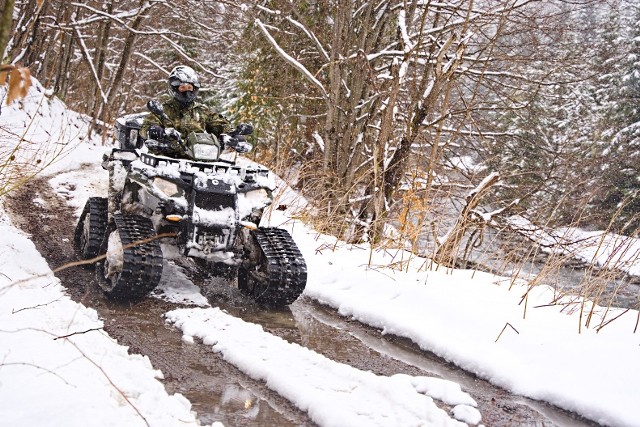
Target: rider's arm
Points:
(217, 124)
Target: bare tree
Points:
(394, 79)
(6, 24)
(105, 58)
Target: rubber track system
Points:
(94, 216)
(142, 263)
(283, 271)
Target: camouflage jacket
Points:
(195, 117)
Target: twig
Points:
(505, 327)
(86, 357)
(37, 367)
(92, 260)
(124, 396)
(77, 333)
(35, 306)
(602, 325)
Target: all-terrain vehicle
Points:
(203, 206)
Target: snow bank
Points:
(487, 326)
(57, 366)
(333, 394)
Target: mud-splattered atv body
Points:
(210, 210)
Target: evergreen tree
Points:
(621, 135)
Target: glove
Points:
(243, 147)
(156, 132)
(172, 134)
(237, 143)
(158, 147)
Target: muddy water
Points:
(388, 353)
(217, 390)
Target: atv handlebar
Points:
(234, 139)
(242, 129)
(160, 147)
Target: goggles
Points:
(185, 87)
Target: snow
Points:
(223, 217)
(82, 380)
(484, 324)
(315, 383)
(460, 316)
(605, 250)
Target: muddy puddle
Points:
(220, 392)
(388, 355)
(217, 390)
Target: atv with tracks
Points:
(202, 206)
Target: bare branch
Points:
(77, 333)
(297, 65)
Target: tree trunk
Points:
(105, 110)
(6, 22)
(100, 60)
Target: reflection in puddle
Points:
(271, 319)
(241, 399)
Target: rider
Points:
(183, 115)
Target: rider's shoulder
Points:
(200, 106)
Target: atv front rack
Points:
(218, 167)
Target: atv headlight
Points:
(205, 152)
(170, 189)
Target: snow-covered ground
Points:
(57, 367)
(604, 250)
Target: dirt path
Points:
(217, 390)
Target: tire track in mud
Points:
(217, 390)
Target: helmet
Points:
(183, 84)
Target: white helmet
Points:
(184, 84)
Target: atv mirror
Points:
(243, 129)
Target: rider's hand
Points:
(243, 147)
(172, 134)
(238, 143)
(155, 132)
(158, 146)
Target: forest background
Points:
(440, 118)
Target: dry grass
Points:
(21, 157)
(423, 214)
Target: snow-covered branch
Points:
(447, 251)
(182, 52)
(297, 65)
(119, 18)
(311, 36)
(89, 61)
